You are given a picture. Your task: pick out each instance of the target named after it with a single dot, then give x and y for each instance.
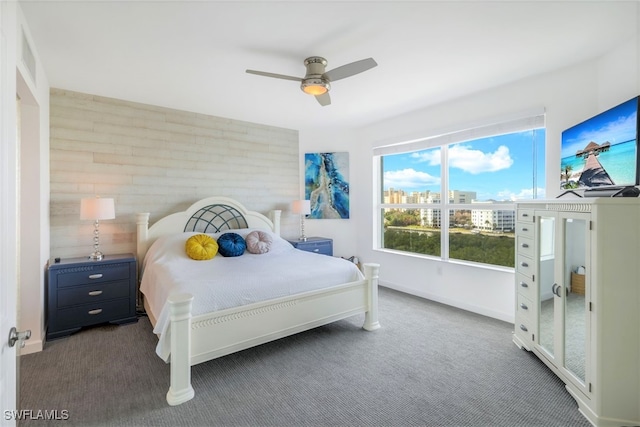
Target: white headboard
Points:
(208, 215)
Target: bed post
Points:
(371, 316)
(142, 221)
(275, 218)
(180, 389)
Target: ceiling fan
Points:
(317, 81)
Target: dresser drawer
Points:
(525, 329)
(93, 293)
(90, 314)
(525, 286)
(524, 307)
(525, 215)
(524, 245)
(524, 229)
(524, 265)
(92, 274)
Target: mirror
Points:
(575, 310)
(546, 281)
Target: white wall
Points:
(342, 231)
(33, 210)
(569, 96)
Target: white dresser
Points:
(578, 300)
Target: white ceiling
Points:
(192, 55)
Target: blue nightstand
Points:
(82, 292)
(318, 245)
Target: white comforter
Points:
(224, 282)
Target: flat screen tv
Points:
(602, 151)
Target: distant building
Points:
(496, 220)
(482, 219)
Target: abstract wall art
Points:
(326, 184)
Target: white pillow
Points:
(258, 242)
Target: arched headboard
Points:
(216, 218)
(210, 215)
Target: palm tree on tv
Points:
(566, 175)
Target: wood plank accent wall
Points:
(158, 160)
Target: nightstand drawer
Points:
(92, 293)
(318, 245)
(324, 247)
(92, 274)
(91, 314)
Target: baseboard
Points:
(505, 317)
(31, 346)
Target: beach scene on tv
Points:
(601, 151)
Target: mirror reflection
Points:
(575, 311)
(546, 282)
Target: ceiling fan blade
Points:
(349, 70)
(277, 76)
(324, 99)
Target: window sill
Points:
(448, 261)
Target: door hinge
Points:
(590, 225)
(590, 306)
(533, 277)
(590, 388)
(533, 337)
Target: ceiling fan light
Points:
(314, 86)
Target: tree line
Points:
(495, 250)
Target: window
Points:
(480, 178)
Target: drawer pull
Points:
(524, 328)
(525, 229)
(96, 311)
(525, 215)
(525, 245)
(524, 264)
(316, 250)
(95, 293)
(96, 276)
(524, 285)
(524, 306)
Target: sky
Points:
(498, 168)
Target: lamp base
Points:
(96, 256)
(303, 238)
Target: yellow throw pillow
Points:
(201, 247)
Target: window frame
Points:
(521, 122)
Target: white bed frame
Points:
(200, 338)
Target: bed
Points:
(191, 331)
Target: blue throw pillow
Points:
(231, 244)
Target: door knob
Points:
(15, 336)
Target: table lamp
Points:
(96, 209)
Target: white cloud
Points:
(464, 157)
(475, 161)
(525, 194)
(409, 178)
(431, 157)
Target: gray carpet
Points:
(429, 365)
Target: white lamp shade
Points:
(97, 208)
(301, 207)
